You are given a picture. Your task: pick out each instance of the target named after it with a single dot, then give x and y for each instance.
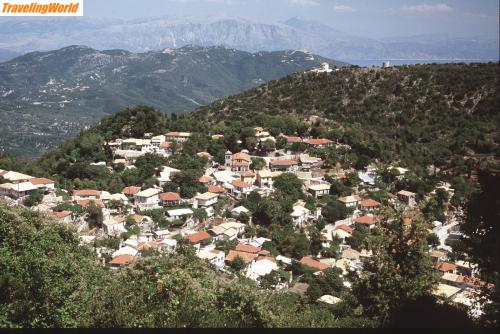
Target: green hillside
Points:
(442, 114)
(46, 97)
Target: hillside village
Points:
(332, 210)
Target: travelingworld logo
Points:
(41, 8)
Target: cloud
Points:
(425, 8)
(303, 3)
(343, 8)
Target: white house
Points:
(300, 215)
(350, 201)
(168, 245)
(241, 188)
(318, 190)
(177, 136)
(264, 178)
(179, 214)
(166, 175)
(205, 200)
(147, 199)
(240, 209)
(43, 184)
(263, 266)
(215, 257)
(407, 197)
(227, 231)
(17, 190)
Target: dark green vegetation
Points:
(48, 280)
(446, 115)
(483, 231)
(396, 282)
(46, 97)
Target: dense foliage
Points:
(48, 280)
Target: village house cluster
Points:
(233, 181)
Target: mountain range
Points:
(139, 35)
(46, 97)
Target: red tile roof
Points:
(170, 196)
(446, 266)
(246, 257)
(369, 203)
(240, 184)
(240, 164)
(313, 263)
(198, 236)
(59, 215)
(284, 162)
(40, 180)
(122, 260)
(293, 139)
(248, 174)
(241, 156)
(205, 179)
(366, 220)
(319, 141)
(247, 249)
(131, 190)
(217, 189)
(344, 227)
(86, 192)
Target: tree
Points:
(290, 185)
(433, 240)
(238, 263)
(268, 146)
(94, 215)
(257, 163)
(400, 270)
(200, 214)
(333, 211)
(358, 239)
(329, 283)
(295, 245)
(34, 198)
(481, 226)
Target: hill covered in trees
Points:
(46, 97)
(441, 114)
(48, 278)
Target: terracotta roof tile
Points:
(246, 257)
(131, 190)
(240, 184)
(313, 263)
(369, 203)
(217, 189)
(247, 248)
(366, 220)
(198, 236)
(86, 192)
(170, 196)
(319, 141)
(40, 180)
(122, 260)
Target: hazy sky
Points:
(370, 18)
